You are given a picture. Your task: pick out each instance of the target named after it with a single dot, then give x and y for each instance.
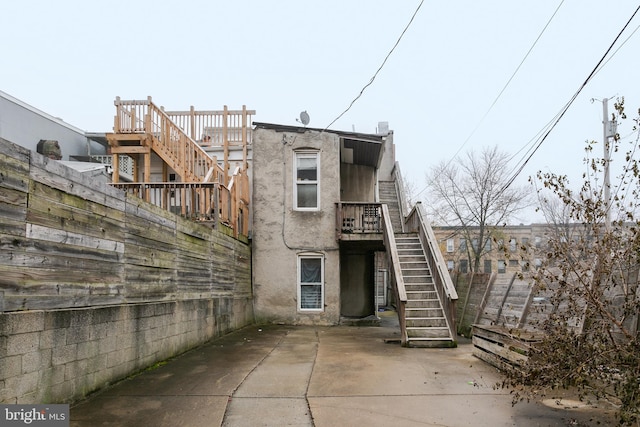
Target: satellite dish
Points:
(304, 118)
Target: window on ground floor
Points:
(487, 266)
(310, 282)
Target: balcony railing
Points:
(359, 217)
(199, 201)
(211, 128)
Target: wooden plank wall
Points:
(502, 347)
(68, 242)
(470, 299)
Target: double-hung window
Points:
(310, 282)
(306, 195)
(449, 245)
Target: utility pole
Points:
(608, 131)
(605, 133)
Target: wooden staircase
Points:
(141, 128)
(389, 196)
(426, 323)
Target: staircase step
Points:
(435, 332)
(425, 280)
(423, 304)
(444, 342)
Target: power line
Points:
(508, 81)
(379, 68)
(561, 114)
(502, 91)
(546, 126)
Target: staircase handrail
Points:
(435, 250)
(417, 219)
(143, 116)
(396, 278)
(402, 201)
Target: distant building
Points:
(510, 249)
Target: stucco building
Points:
(303, 271)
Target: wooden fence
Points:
(67, 242)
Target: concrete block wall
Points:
(62, 355)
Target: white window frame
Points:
(300, 284)
(450, 245)
(306, 154)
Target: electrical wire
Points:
(379, 68)
(508, 82)
(563, 111)
(504, 88)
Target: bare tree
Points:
(472, 194)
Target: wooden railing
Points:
(199, 201)
(359, 217)
(170, 141)
(417, 222)
(395, 275)
(223, 129)
(214, 127)
(402, 201)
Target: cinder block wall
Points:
(62, 355)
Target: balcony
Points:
(359, 221)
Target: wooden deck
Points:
(178, 138)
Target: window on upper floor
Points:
(450, 245)
(306, 195)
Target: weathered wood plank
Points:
(15, 151)
(40, 190)
(49, 302)
(14, 172)
(504, 352)
(49, 234)
(13, 211)
(60, 177)
(138, 208)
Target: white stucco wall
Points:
(280, 233)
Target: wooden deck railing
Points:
(223, 129)
(200, 201)
(395, 277)
(170, 141)
(214, 127)
(417, 222)
(359, 217)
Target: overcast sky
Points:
(72, 58)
